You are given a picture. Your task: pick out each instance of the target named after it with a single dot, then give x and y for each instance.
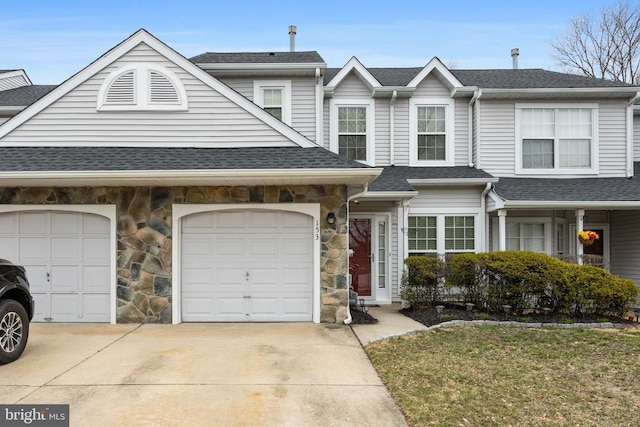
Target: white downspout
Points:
(484, 226)
(392, 129)
(630, 145)
(319, 103)
(476, 95)
(349, 319)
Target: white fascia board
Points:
(355, 176)
(452, 181)
(586, 204)
(389, 195)
(354, 65)
(142, 36)
(11, 109)
(387, 91)
(300, 66)
(604, 92)
(436, 65)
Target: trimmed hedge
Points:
(524, 280)
(423, 283)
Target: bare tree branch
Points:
(607, 48)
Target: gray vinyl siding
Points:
(325, 123)
(624, 249)
(613, 137)
(431, 86)
(351, 87)
(383, 129)
(211, 119)
(497, 137)
(447, 198)
(462, 132)
(303, 100)
(402, 132)
(12, 82)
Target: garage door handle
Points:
(48, 277)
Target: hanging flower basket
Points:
(587, 237)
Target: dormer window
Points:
(431, 132)
(351, 132)
(142, 87)
(274, 96)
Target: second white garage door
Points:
(252, 265)
(66, 256)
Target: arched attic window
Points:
(141, 87)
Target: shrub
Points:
(528, 280)
(423, 281)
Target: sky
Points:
(52, 40)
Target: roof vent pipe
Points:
(292, 38)
(515, 52)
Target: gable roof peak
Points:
(360, 70)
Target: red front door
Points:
(360, 262)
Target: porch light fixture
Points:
(331, 218)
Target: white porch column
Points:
(502, 229)
(579, 226)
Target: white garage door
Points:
(254, 266)
(66, 255)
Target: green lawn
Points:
(499, 376)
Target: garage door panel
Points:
(95, 308)
(65, 278)
(229, 247)
(95, 249)
(65, 223)
(33, 249)
(264, 244)
(199, 278)
(198, 249)
(68, 262)
(95, 278)
(32, 223)
(65, 307)
(64, 249)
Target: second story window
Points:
(351, 129)
(431, 132)
(272, 101)
(274, 96)
(552, 139)
(352, 132)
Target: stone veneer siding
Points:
(144, 263)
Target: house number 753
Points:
(317, 229)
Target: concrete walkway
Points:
(289, 374)
(390, 324)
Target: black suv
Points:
(16, 310)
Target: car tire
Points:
(14, 330)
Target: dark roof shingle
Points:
(394, 178)
(32, 159)
(24, 95)
(257, 58)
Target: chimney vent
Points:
(292, 38)
(515, 52)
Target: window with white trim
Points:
(142, 87)
(553, 139)
(274, 96)
(351, 129)
(441, 234)
(526, 234)
(431, 132)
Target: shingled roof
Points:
(491, 79)
(257, 58)
(34, 159)
(24, 95)
(571, 189)
(394, 178)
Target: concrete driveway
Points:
(201, 374)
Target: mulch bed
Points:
(430, 317)
(359, 317)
